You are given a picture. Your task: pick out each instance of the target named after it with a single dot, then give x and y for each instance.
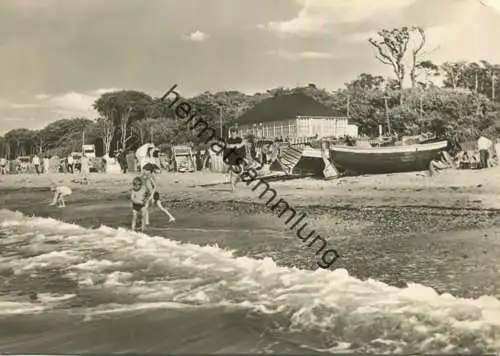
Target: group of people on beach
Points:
(144, 190)
(484, 156)
(145, 194)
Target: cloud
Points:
(320, 16)
(64, 105)
(73, 104)
(7, 104)
(360, 37)
(493, 4)
(37, 111)
(26, 4)
(104, 91)
(467, 39)
(289, 55)
(198, 36)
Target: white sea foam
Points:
(155, 273)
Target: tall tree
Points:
(21, 141)
(426, 70)
(3, 147)
(63, 135)
(416, 62)
(453, 72)
(105, 129)
(391, 48)
(123, 107)
(146, 129)
(366, 81)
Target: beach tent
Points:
(141, 154)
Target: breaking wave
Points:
(100, 272)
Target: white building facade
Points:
(300, 127)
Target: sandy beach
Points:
(405, 230)
(383, 214)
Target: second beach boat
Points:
(379, 160)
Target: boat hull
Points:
(300, 160)
(385, 159)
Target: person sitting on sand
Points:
(59, 194)
(153, 196)
(492, 160)
(138, 196)
(475, 162)
(463, 160)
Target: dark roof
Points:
(283, 108)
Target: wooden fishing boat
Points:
(303, 160)
(377, 160)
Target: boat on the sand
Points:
(303, 160)
(379, 160)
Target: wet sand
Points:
(442, 232)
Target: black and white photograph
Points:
(294, 177)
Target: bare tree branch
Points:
(382, 60)
(391, 50)
(415, 53)
(123, 125)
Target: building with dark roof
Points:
(292, 116)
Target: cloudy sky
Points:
(57, 56)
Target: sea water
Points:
(68, 289)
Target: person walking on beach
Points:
(3, 166)
(122, 160)
(139, 197)
(152, 192)
(484, 145)
(36, 163)
(69, 159)
(59, 194)
(85, 169)
(234, 155)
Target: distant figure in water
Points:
(59, 194)
(139, 196)
(152, 192)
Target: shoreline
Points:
(383, 236)
(456, 189)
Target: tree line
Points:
(453, 99)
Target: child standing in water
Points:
(59, 194)
(153, 194)
(139, 196)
